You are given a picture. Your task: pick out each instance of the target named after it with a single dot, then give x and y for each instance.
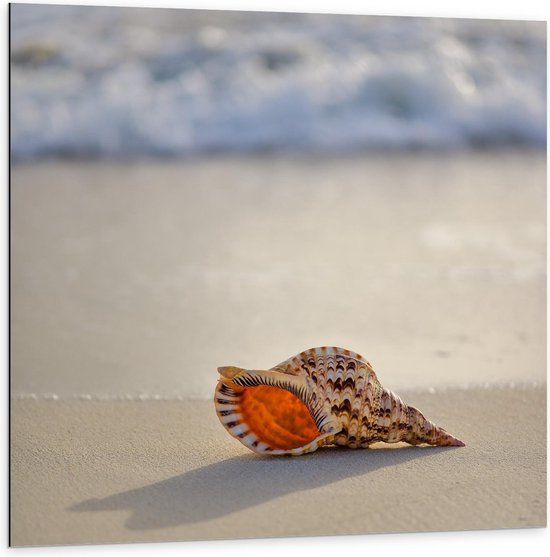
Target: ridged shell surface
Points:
(339, 390)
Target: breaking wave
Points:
(89, 81)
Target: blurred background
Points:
(197, 188)
(92, 81)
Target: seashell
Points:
(322, 396)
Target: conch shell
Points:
(322, 396)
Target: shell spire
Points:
(398, 421)
(322, 396)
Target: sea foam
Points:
(123, 82)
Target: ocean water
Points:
(118, 82)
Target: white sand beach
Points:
(137, 280)
(105, 472)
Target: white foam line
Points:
(522, 385)
(105, 397)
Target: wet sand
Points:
(145, 277)
(96, 472)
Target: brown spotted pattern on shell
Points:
(322, 396)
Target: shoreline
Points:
(278, 155)
(146, 397)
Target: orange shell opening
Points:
(277, 417)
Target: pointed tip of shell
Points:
(457, 443)
(450, 441)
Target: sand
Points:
(93, 472)
(131, 282)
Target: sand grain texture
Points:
(98, 471)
